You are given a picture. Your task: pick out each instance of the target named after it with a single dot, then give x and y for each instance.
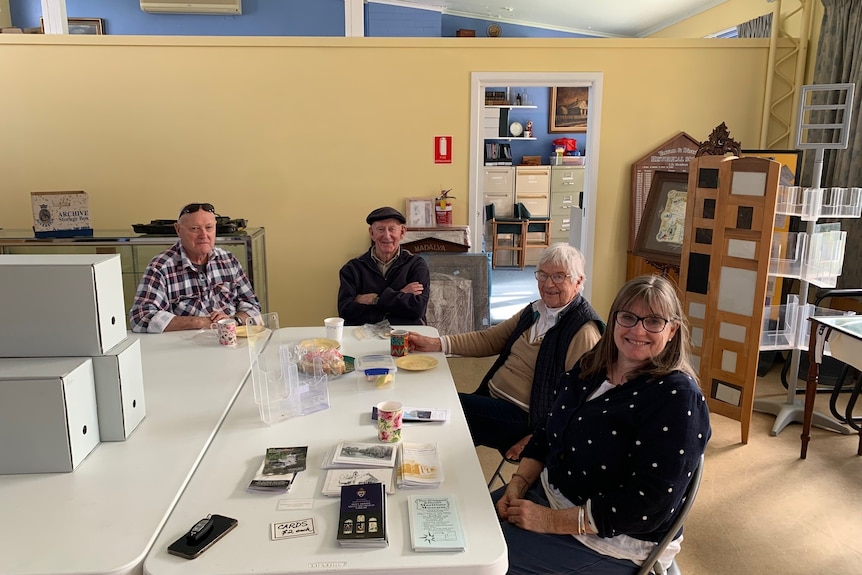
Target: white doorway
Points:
(583, 237)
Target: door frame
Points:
(592, 80)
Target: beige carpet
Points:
(760, 509)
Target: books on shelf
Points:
(419, 465)
(419, 414)
(335, 479)
(435, 524)
(349, 454)
(362, 516)
(278, 469)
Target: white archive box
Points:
(61, 305)
(48, 416)
(120, 390)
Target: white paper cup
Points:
(334, 328)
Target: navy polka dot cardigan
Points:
(630, 451)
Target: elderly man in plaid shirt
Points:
(193, 283)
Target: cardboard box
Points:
(61, 305)
(119, 379)
(48, 416)
(61, 214)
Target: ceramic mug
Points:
(398, 342)
(226, 329)
(390, 415)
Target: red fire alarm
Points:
(442, 149)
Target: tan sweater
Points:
(514, 380)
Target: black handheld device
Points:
(201, 536)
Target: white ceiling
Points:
(614, 18)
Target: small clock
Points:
(494, 31)
(516, 129)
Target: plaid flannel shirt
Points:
(173, 286)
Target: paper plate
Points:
(247, 330)
(321, 343)
(416, 362)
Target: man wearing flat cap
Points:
(386, 282)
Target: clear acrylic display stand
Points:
(280, 390)
(819, 127)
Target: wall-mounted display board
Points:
(671, 156)
(724, 272)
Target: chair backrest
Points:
(651, 565)
(490, 212)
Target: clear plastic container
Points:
(779, 325)
(817, 258)
(377, 370)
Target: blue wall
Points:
(452, 24)
(274, 18)
(259, 18)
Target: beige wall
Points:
(305, 136)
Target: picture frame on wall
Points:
(82, 25)
(568, 109)
(662, 230)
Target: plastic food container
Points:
(377, 369)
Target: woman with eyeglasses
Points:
(535, 347)
(601, 479)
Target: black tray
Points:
(224, 225)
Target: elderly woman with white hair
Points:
(535, 347)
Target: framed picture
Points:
(82, 25)
(420, 213)
(568, 110)
(791, 163)
(662, 228)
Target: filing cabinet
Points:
(61, 305)
(119, 380)
(48, 415)
(533, 189)
(567, 185)
(498, 188)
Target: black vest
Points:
(551, 361)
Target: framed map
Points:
(662, 229)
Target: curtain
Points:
(760, 27)
(839, 60)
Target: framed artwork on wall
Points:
(790, 160)
(662, 230)
(568, 109)
(82, 25)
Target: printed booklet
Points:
(435, 524)
(337, 478)
(362, 516)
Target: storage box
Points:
(119, 376)
(48, 416)
(61, 214)
(376, 370)
(61, 305)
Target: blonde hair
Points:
(660, 297)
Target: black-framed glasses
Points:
(556, 278)
(651, 323)
(192, 208)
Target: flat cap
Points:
(385, 213)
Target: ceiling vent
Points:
(233, 7)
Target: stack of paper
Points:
(435, 524)
(337, 478)
(362, 516)
(351, 454)
(419, 465)
(279, 468)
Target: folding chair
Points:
(498, 472)
(651, 565)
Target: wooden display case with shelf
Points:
(136, 251)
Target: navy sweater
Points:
(361, 275)
(630, 451)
